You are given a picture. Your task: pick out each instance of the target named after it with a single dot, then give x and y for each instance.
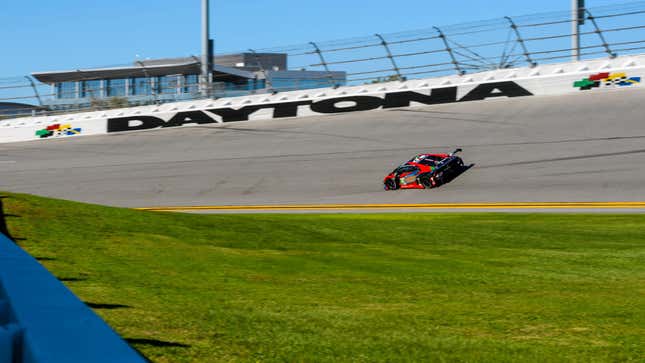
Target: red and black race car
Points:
(425, 171)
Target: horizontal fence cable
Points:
(569, 55)
(422, 39)
(370, 72)
(338, 49)
(419, 53)
(544, 24)
(569, 20)
(585, 33)
(369, 45)
(628, 49)
(623, 29)
(16, 86)
(427, 65)
(430, 72)
(408, 74)
(621, 14)
(556, 51)
(350, 61)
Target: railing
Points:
(506, 42)
(42, 321)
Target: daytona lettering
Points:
(327, 106)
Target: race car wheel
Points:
(439, 178)
(427, 181)
(390, 185)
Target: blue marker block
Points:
(630, 82)
(75, 131)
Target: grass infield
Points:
(365, 288)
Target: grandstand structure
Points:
(8, 109)
(176, 79)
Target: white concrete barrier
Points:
(577, 77)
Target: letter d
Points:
(133, 123)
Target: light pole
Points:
(577, 19)
(207, 51)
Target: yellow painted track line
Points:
(510, 205)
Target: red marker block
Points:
(53, 127)
(598, 77)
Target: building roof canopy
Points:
(140, 70)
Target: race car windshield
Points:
(405, 169)
(429, 162)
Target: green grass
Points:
(363, 288)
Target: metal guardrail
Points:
(42, 321)
(506, 42)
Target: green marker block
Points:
(584, 83)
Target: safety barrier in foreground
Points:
(556, 79)
(42, 321)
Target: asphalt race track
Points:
(587, 147)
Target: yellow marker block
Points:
(63, 127)
(616, 76)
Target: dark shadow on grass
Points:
(3, 222)
(106, 306)
(156, 343)
(45, 258)
(72, 279)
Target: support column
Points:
(330, 76)
(577, 19)
(526, 53)
(33, 86)
(267, 81)
(599, 32)
(207, 52)
(454, 61)
(389, 55)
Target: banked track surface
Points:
(588, 147)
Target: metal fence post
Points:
(389, 55)
(33, 86)
(600, 35)
(269, 82)
(330, 76)
(526, 53)
(449, 50)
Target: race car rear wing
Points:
(451, 159)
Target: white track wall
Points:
(603, 74)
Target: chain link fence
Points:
(507, 42)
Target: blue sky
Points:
(43, 35)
